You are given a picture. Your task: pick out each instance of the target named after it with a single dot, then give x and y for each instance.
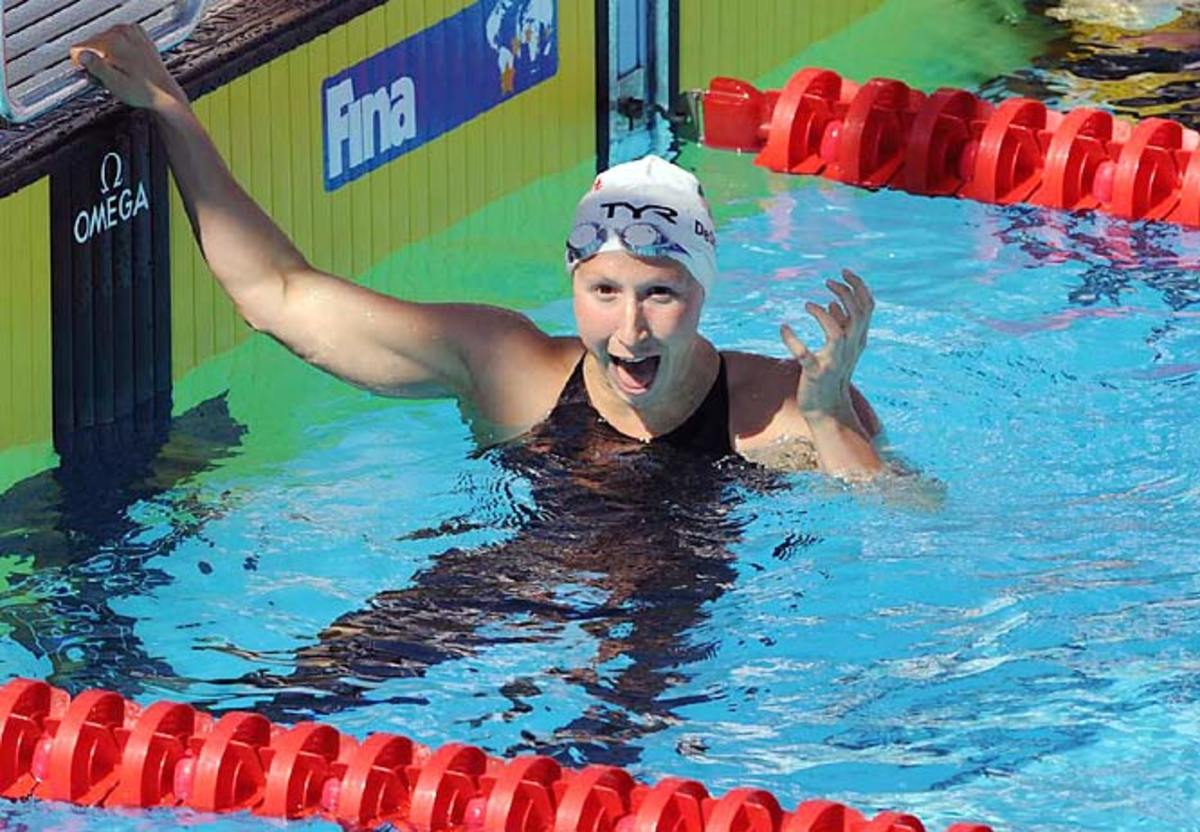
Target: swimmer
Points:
(641, 258)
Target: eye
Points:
(604, 290)
(662, 293)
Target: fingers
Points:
(839, 314)
(833, 330)
(853, 312)
(94, 61)
(125, 60)
(861, 291)
(844, 321)
(85, 54)
(106, 49)
(95, 54)
(850, 302)
(797, 347)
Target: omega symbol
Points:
(117, 179)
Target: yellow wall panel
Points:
(220, 128)
(202, 291)
(26, 398)
(320, 251)
(748, 38)
(379, 207)
(41, 382)
(359, 236)
(439, 206)
(279, 148)
(305, 161)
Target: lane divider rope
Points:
(884, 134)
(98, 749)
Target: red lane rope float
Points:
(952, 143)
(98, 749)
(1010, 160)
(812, 105)
(523, 797)
(302, 759)
(377, 784)
(871, 141)
(943, 142)
(745, 810)
(153, 751)
(84, 750)
(742, 114)
(227, 771)
(25, 709)
(1078, 169)
(594, 800)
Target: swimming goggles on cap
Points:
(643, 239)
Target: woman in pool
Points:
(641, 254)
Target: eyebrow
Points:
(678, 280)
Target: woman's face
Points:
(638, 318)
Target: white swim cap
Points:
(650, 208)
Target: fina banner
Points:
(434, 81)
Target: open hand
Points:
(824, 388)
(126, 61)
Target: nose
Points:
(633, 323)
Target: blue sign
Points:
(411, 93)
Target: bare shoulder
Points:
(762, 403)
(517, 373)
(759, 377)
(762, 400)
(498, 341)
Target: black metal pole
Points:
(602, 85)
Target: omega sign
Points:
(118, 202)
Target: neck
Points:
(670, 408)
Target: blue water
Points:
(1008, 636)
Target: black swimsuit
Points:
(630, 540)
(706, 431)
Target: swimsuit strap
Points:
(574, 391)
(707, 429)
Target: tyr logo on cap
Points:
(666, 212)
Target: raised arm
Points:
(367, 338)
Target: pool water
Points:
(1005, 635)
(989, 653)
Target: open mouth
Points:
(635, 375)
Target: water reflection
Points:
(627, 542)
(1117, 256)
(82, 547)
(1130, 58)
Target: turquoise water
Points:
(1020, 651)
(1006, 636)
